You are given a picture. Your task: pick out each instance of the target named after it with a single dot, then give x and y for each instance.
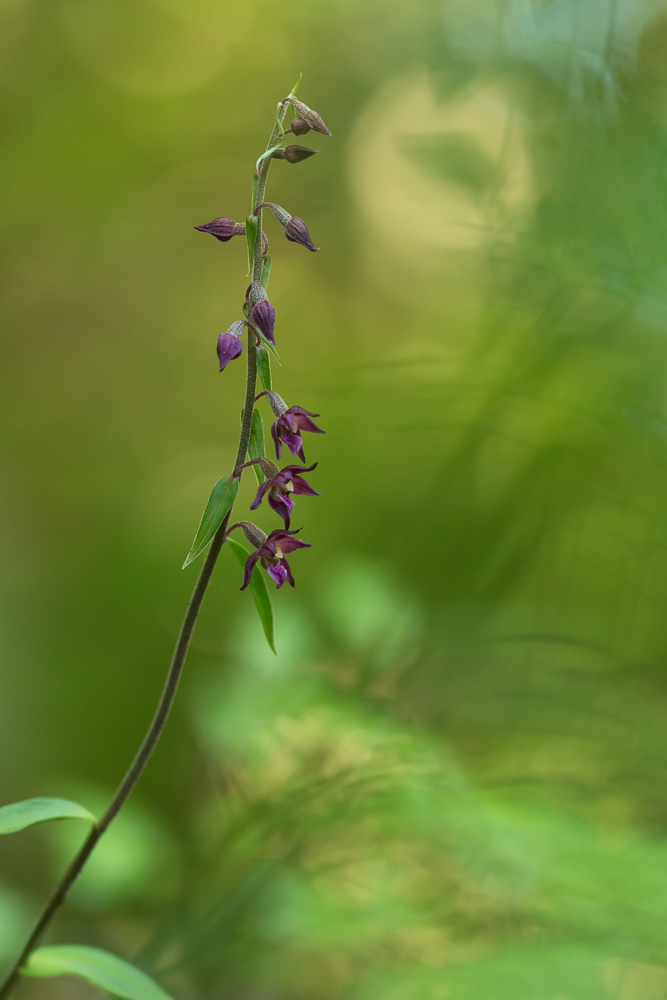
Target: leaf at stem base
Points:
(29, 812)
(106, 971)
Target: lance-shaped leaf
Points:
(20, 815)
(267, 343)
(256, 446)
(266, 272)
(269, 152)
(106, 971)
(251, 224)
(264, 366)
(260, 592)
(219, 504)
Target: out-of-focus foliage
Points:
(451, 781)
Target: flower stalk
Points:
(270, 550)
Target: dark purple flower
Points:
(230, 344)
(272, 553)
(280, 489)
(223, 229)
(288, 429)
(297, 231)
(264, 318)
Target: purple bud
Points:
(299, 126)
(223, 229)
(264, 318)
(230, 344)
(297, 231)
(295, 154)
(309, 116)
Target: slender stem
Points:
(145, 751)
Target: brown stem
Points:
(156, 727)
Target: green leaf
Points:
(264, 156)
(264, 366)
(256, 446)
(267, 343)
(106, 971)
(296, 86)
(219, 504)
(260, 592)
(251, 224)
(279, 107)
(255, 182)
(266, 272)
(20, 815)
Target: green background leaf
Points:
(101, 968)
(256, 445)
(29, 812)
(260, 592)
(220, 502)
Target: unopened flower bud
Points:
(264, 318)
(299, 126)
(297, 231)
(223, 229)
(309, 116)
(230, 345)
(295, 154)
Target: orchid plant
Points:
(279, 485)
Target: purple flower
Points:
(272, 553)
(230, 344)
(294, 154)
(308, 115)
(264, 318)
(279, 488)
(297, 231)
(223, 229)
(288, 429)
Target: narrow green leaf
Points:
(267, 343)
(106, 971)
(255, 182)
(251, 236)
(256, 446)
(296, 86)
(264, 156)
(264, 366)
(220, 502)
(260, 592)
(266, 272)
(279, 107)
(20, 815)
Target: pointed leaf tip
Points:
(106, 971)
(30, 812)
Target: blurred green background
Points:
(451, 782)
